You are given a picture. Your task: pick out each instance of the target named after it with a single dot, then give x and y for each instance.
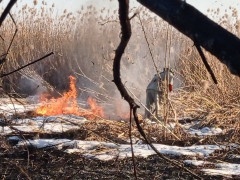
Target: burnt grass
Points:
(51, 163)
(55, 164)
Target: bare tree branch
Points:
(6, 74)
(2, 18)
(6, 11)
(131, 143)
(126, 34)
(200, 28)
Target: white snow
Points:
(12, 107)
(224, 169)
(234, 156)
(5, 130)
(49, 124)
(206, 131)
(41, 143)
(14, 138)
(99, 150)
(192, 129)
(7, 108)
(106, 151)
(196, 162)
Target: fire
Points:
(67, 104)
(94, 107)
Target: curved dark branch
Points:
(126, 34)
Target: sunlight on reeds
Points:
(84, 44)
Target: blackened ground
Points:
(23, 163)
(55, 164)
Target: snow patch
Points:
(224, 169)
(196, 162)
(14, 138)
(9, 109)
(206, 131)
(105, 151)
(51, 124)
(44, 143)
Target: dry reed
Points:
(84, 44)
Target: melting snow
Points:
(49, 124)
(9, 109)
(196, 162)
(41, 143)
(206, 131)
(224, 169)
(190, 127)
(101, 150)
(12, 107)
(107, 151)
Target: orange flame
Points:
(94, 107)
(67, 104)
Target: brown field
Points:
(83, 44)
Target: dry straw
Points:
(84, 44)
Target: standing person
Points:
(155, 91)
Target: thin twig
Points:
(16, 30)
(148, 44)
(109, 21)
(22, 171)
(6, 74)
(4, 56)
(130, 136)
(166, 80)
(133, 16)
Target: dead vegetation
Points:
(45, 163)
(201, 99)
(31, 163)
(195, 95)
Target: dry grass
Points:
(69, 36)
(84, 45)
(215, 105)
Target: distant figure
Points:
(155, 91)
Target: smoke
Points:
(31, 86)
(87, 51)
